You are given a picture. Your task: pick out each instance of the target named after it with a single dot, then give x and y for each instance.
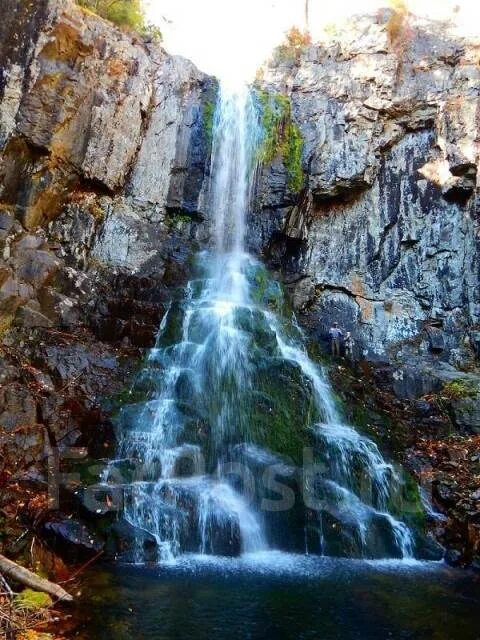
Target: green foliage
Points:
(281, 137)
(460, 388)
(331, 28)
(292, 157)
(208, 117)
(152, 32)
(30, 600)
(124, 13)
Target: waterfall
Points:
(237, 444)
(235, 137)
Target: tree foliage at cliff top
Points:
(124, 13)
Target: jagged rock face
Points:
(383, 238)
(104, 155)
(102, 137)
(89, 109)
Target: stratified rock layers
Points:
(383, 237)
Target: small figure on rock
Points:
(349, 344)
(335, 337)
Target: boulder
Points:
(72, 539)
(466, 412)
(130, 543)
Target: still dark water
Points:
(276, 596)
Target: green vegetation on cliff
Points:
(124, 13)
(459, 389)
(281, 136)
(208, 114)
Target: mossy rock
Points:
(282, 408)
(263, 338)
(281, 136)
(208, 113)
(459, 389)
(31, 600)
(172, 331)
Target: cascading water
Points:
(238, 446)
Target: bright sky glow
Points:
(234, 37)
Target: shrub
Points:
(298, 39)
(397, 25)
(124, 13)
(291, 50)
(459, 388)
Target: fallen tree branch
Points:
(25, 577)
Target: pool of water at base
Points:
(270, 596)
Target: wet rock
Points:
(98, 500)
(428, 548)
(129, 542)
(281, 401)
(72, 539)
(453, 557)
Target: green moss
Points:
(208, 118)
(282, 408)
(280, 136)
(460, 388)
(292, 157)
(30, 600)
(176, 219)
(266, 291)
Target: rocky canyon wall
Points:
(383, 237)
(104, 150)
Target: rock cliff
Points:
(104, 151)
(383, 237)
